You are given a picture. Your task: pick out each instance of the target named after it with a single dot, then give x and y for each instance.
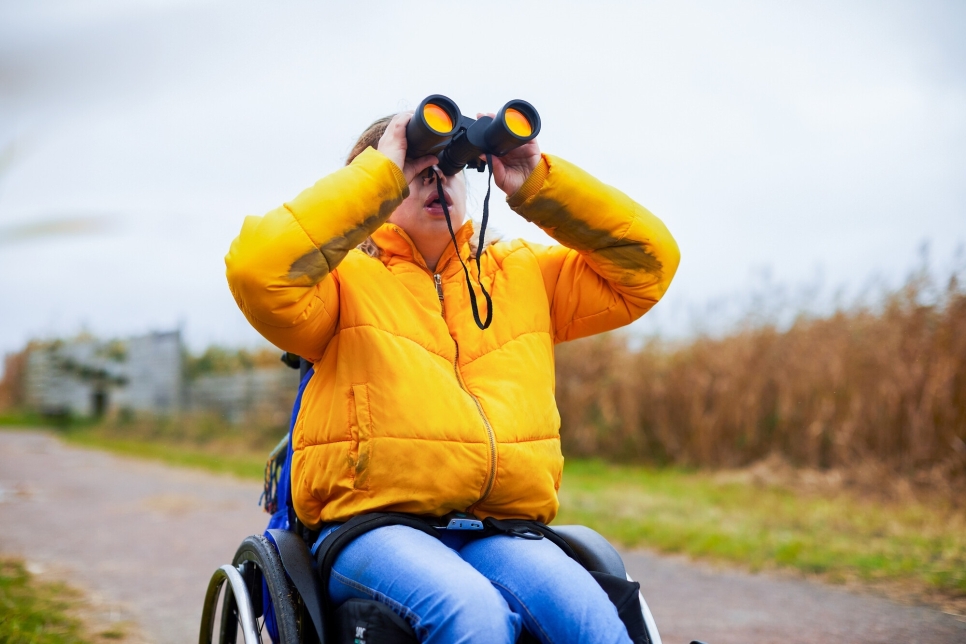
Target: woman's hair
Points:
(369, 138)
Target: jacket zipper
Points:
(491, 474)
(439, 290)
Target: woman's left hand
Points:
(511, 170)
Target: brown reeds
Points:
(883, 384)
(12, 383)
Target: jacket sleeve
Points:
(616, 260)
(281, 267)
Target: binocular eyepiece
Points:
(438, 128)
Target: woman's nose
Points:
(431, 173)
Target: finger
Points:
(394, 128)
(497, 163)
(401, 119)
(498, 166)
(420, 164)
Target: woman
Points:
(412, 407)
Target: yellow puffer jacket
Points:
(412, 407)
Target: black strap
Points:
(336, 541)
(512, 528)
(527, 529)
(355, 527)
(479, 251)
(625, 595)
(300, 568)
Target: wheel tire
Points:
(258, 559)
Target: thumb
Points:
(420, 164)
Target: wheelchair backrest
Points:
(277, 494)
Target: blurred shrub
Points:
(260, 432)
(226, 360)
(884, 384)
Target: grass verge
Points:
(839, 536)
(32, 612)
(220, 460)
(916, 548)
(199, 442)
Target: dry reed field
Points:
(872, 391)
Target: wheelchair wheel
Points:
(243, 618)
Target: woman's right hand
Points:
(393, 144)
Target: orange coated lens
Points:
(517, 122)
(438, 118)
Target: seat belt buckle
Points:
(464, 524)
(461, 521)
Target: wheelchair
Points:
(274, 589)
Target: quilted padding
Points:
(412, 407)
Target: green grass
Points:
(243, 464)
(35, 613)
(23, 419)
(199, 442)
(839, 537)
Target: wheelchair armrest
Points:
(596, 552)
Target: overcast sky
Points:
(819, 144)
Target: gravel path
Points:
(144, 538)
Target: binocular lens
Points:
(438, 128)
(438, 118)
(517, 123)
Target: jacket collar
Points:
(395, 242)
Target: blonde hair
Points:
(369, 138)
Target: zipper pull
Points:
(439, 289)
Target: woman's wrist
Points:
(532, 184)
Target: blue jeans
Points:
(464, 588)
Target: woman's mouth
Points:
(433, 205)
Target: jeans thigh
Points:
(557, 598)
(425, 582)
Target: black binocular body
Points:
(440, 129)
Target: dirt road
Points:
(144, 538)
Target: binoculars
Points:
(438, 128)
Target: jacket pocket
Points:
(557, 473)
(361, 450)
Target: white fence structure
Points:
(266, 393)
(86, 377)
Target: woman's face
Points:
(421, 214)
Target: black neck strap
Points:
(479, 251)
